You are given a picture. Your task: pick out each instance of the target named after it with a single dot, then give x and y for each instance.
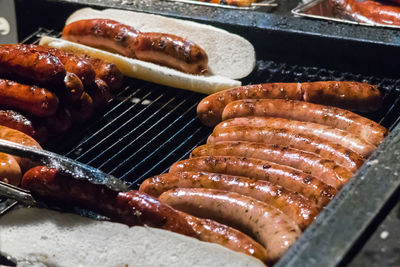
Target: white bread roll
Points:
(148, 71)
(229, 55)
(41, 237)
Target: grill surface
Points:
(147, 127)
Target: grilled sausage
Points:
(291, 179)
(17, 121)
(59, 123)
(106, 71)
(296, 206)
(324, 169)
(24, 62)
(334, 135)
(132, 208)
(273, 229)
(371, 12)
(72, 89)
(10, 171)
(342, 119)
(100, 93)
(73, 64)
(160, 48)
(19, 138)
(328, 150)
(82, 110)
(352, 95)
(31, 99)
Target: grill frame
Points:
(278, 29)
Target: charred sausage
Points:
(323, 169)
(82, 110)
(296, 206)
(273, 229)
(31, 99)
(328, 150)
(346, 139)
(342, 119)
(352, 95)
(133, 208)
(100, 93)
(160, 48)
(317, 191)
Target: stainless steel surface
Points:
(321, 9)
(64, 164)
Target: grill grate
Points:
(147, 127)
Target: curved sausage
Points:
(100, 93)
(17, 121)
(160, 48)
(72, 63)
(371, 12)
(132, 208)
(352, 95)
(291, 179)
(31, 99)
(25, 62)
(334, 135)
(106, 71)
(82, 110)
(10, 171)
(323, 169)
(296, 206)
(342, 119)
(273, 229)
(328, 150)
(72, 89)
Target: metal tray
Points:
(261, 4)
(321, 9)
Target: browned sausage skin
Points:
(352, 95)
(291, 179)
(318, 167)
(342, 119)
(24, 62)
(273, 229)
(296, 206)
(346, 139)
(31, 99)
(160, 48)
(328, 150)
(133, 208)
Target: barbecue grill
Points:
(147, 127)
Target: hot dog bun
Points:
(46, 237)
(229, 56)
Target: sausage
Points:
(10, 171)
(59, 123)
(31, 99)
(25, 62)
(371, 12)
(160, 48)
(334, 135)
(323, 169)
(352, 95)
(328, 150)
(291, 179)
(273, 229)
(106, 71)
(296, 206)
(342, 119)
(73, 64)
(17, 121)
(100, 93)
(18, 137)
(131, 208)
(82, 110)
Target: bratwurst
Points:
(352, 95)
(160, 48)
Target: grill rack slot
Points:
(147, 127)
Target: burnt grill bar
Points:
(147, 127)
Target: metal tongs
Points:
(52, 160)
